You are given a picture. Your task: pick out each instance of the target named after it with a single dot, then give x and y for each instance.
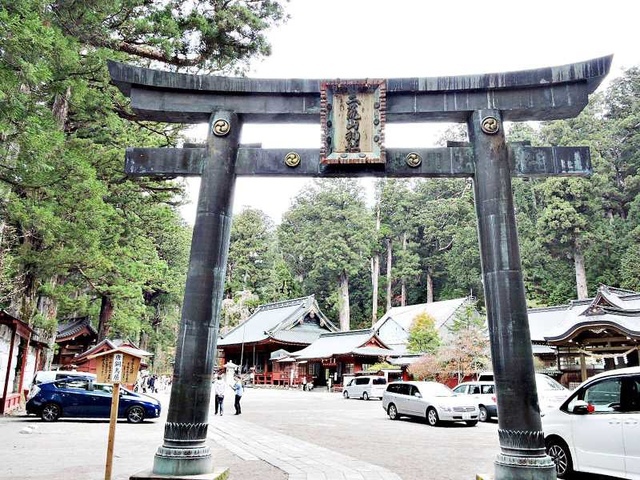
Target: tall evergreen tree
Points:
(326, 238)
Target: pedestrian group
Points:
(219, 387)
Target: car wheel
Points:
(432, 417)
(471, 423)
(561, 456)
(365, 396)
(135, 414)
(345, 394)
(392, 411)
(50, 412)
(484, 415)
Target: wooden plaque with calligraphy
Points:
(128, 369)
(352, 115)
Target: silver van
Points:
(365, 387)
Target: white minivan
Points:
(550, 393)
(365, 387)
(597, 429)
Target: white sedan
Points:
(431, 400)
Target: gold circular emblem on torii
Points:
(221, 127)
(413, 159)
(292, 159)
(490, 125)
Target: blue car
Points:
(82, 397)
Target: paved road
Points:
(361, 430)
(281, 434)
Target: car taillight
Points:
(33, 392)
(494, 399)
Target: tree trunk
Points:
(60, 108)
(403, 282)
(106, 312)
(343, 302)
(581, 274)
(48, 309)
(389, 261)
(429, 286)
(375, 274)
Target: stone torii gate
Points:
(353, 114)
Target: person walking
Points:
(238, 389)
(219, 387)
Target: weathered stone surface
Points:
(538, 94)
(525, 161)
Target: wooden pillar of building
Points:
(583, 367)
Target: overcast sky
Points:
(423, 38)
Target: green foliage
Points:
(376, 367)
(251, 254)
(327, 234)
(76, 233)
(423, 335)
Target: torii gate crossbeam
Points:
(343, 107)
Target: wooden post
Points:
(6, 378)
(113, 420)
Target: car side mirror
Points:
(582, 408)
(417, 394)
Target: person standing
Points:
(218, 388)
(238, 389)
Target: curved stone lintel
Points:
(590, 71)
(539, 94)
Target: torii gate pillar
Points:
(520, 429)
(484, 102)
(184, 450)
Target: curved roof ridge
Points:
(593, 322)
(284, 303)
(349, 332)
(549, 308)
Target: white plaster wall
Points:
(30, 368)
(5, 344)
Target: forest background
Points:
(79, 238)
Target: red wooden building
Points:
(288, 325)
(74, 336)
(20, 357)
(336, 355)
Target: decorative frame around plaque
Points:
(352, 116)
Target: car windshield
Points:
(436, 390)
(105, 387)
(547, 383)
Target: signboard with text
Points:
(117, 368)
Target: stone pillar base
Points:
(510, 467)
(178, 462)
(221, 473)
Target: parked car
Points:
(484, 393)
(43, 376)
(550, 393)
(82, 397)
(365, 387)
(431, 400)
(597, 429)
